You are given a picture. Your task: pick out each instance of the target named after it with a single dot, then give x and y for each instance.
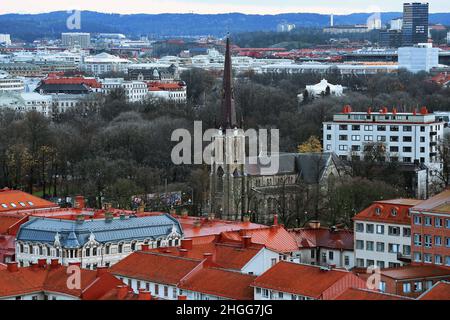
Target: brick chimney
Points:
(122, 291)
(144, 295)
(209, 258)
(182, 298)
(186, 244)
(275, 219)
(42, 263)
(12, 266)
(145, 247)
(54, 264)
(79, 202)
(246, 241)
(101, 271)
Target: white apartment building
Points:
(10, 84)
(136, 91)
(26, 102)
(383, 234)
(104, 62)
(5, 39)
(408, 137)
(422, 57)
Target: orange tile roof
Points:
(227, 256)
(416, 272)
(323, 237)
(220, 283)
(213, 227)
(16, 201)
(155, 267)
(37, 279)
(160, 86)
(301, 279)
(386, 215)
(7, 221)
(440, 291)
(364, 294)
(439, 204)
(93, 83)
(275, 238)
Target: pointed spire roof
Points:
(228, 118)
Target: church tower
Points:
(227, 178)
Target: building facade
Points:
(135, 91)
(76, 39)
(415, 23)
(421, 57)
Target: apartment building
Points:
(383, 234)
(135, 91)
(430, 230)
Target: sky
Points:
(213, 6)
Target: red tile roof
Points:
(220, 283)
(160, 86)
(305, 280)
(207, 228)
(16, 201)
(275, 238)
(155, 267)
(324, 238)
(93, 83)
(390, 211)
(227, 256)
(416, 272)
(364, 294)
(440, 291)
(8, 221)
(37, 279)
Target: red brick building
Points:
(430, 229)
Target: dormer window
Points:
(377, 211)
(13, 205)
(4, 205)
(394, 212)
(30, 203)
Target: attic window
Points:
(30, 203)
(4, 205)
(377, 211)
(22, 204)
(13, 205)
(394, 212)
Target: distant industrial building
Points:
(422, 57)
(415, 23)
(76, 39)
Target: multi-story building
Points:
(421, 57)
(383, 234)
(5, 39)
(10, 84)
(415, 23)
(76, 39)
(104, 62)
(411, 139)
(26, 102)
(135, 91)
(430, 230)
(175, 92)
(93, 243)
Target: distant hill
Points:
(30, 27)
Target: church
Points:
(240, 188)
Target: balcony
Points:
(403, 257)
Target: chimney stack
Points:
(54, 263)
(42, 263)
(144, 295)
(12, 266)
(246, 241)
(79, 202)
(145, 247)
(209, 258)
(275, 219)
(122, 292)
(186, 244)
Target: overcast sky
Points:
(213, 6)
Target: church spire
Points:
(228, 119)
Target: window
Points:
(382, 286)
(331, 255)
(407, 159)
(328, 136)
(394, 231)
(438, 222)
(437, 241)
(343, 148)
(417, 257)
(369, 245)
(360, 244)
(343, 127)
(394, 128)
(417, 240)
(393, 149)
(313, 254)
(156, 289)
(417, 220)
(280, 295)
(406, 288)
(438, 259)
(393, 139)
(428, 221)
(360, 263)
(381, 128)
(370, 263)
(356, 128)
(359, 227)
(407, 232)
(356, 148)
(407, 128)
(368, 138)
(368, 128)
(380, 229)
(347, 260)
(428, 241)
(356, 138)
(407, 139)
(418, 286)
(166, 291)
(447, 261)
(394, 248)
(447, 223)
(407, 149)
(274, 261)
(343, 138)
(381, 264)
(381, 138)
(380, 246)
(369, 228)
(265, 293)
(447, 242)
(406, 250)
(427, 258)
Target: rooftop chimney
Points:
(54, 263)
(208, 257)
(246, 241)
(314, 224)
(79, 202)
(101, 271)
(186, 244)
(182, 298)
(122, 291)
(275, 219)
(144, 295)
(12, 266)
(42, 263)
(145, 247)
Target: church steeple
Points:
(228, 117)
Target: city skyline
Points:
(211, 7)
